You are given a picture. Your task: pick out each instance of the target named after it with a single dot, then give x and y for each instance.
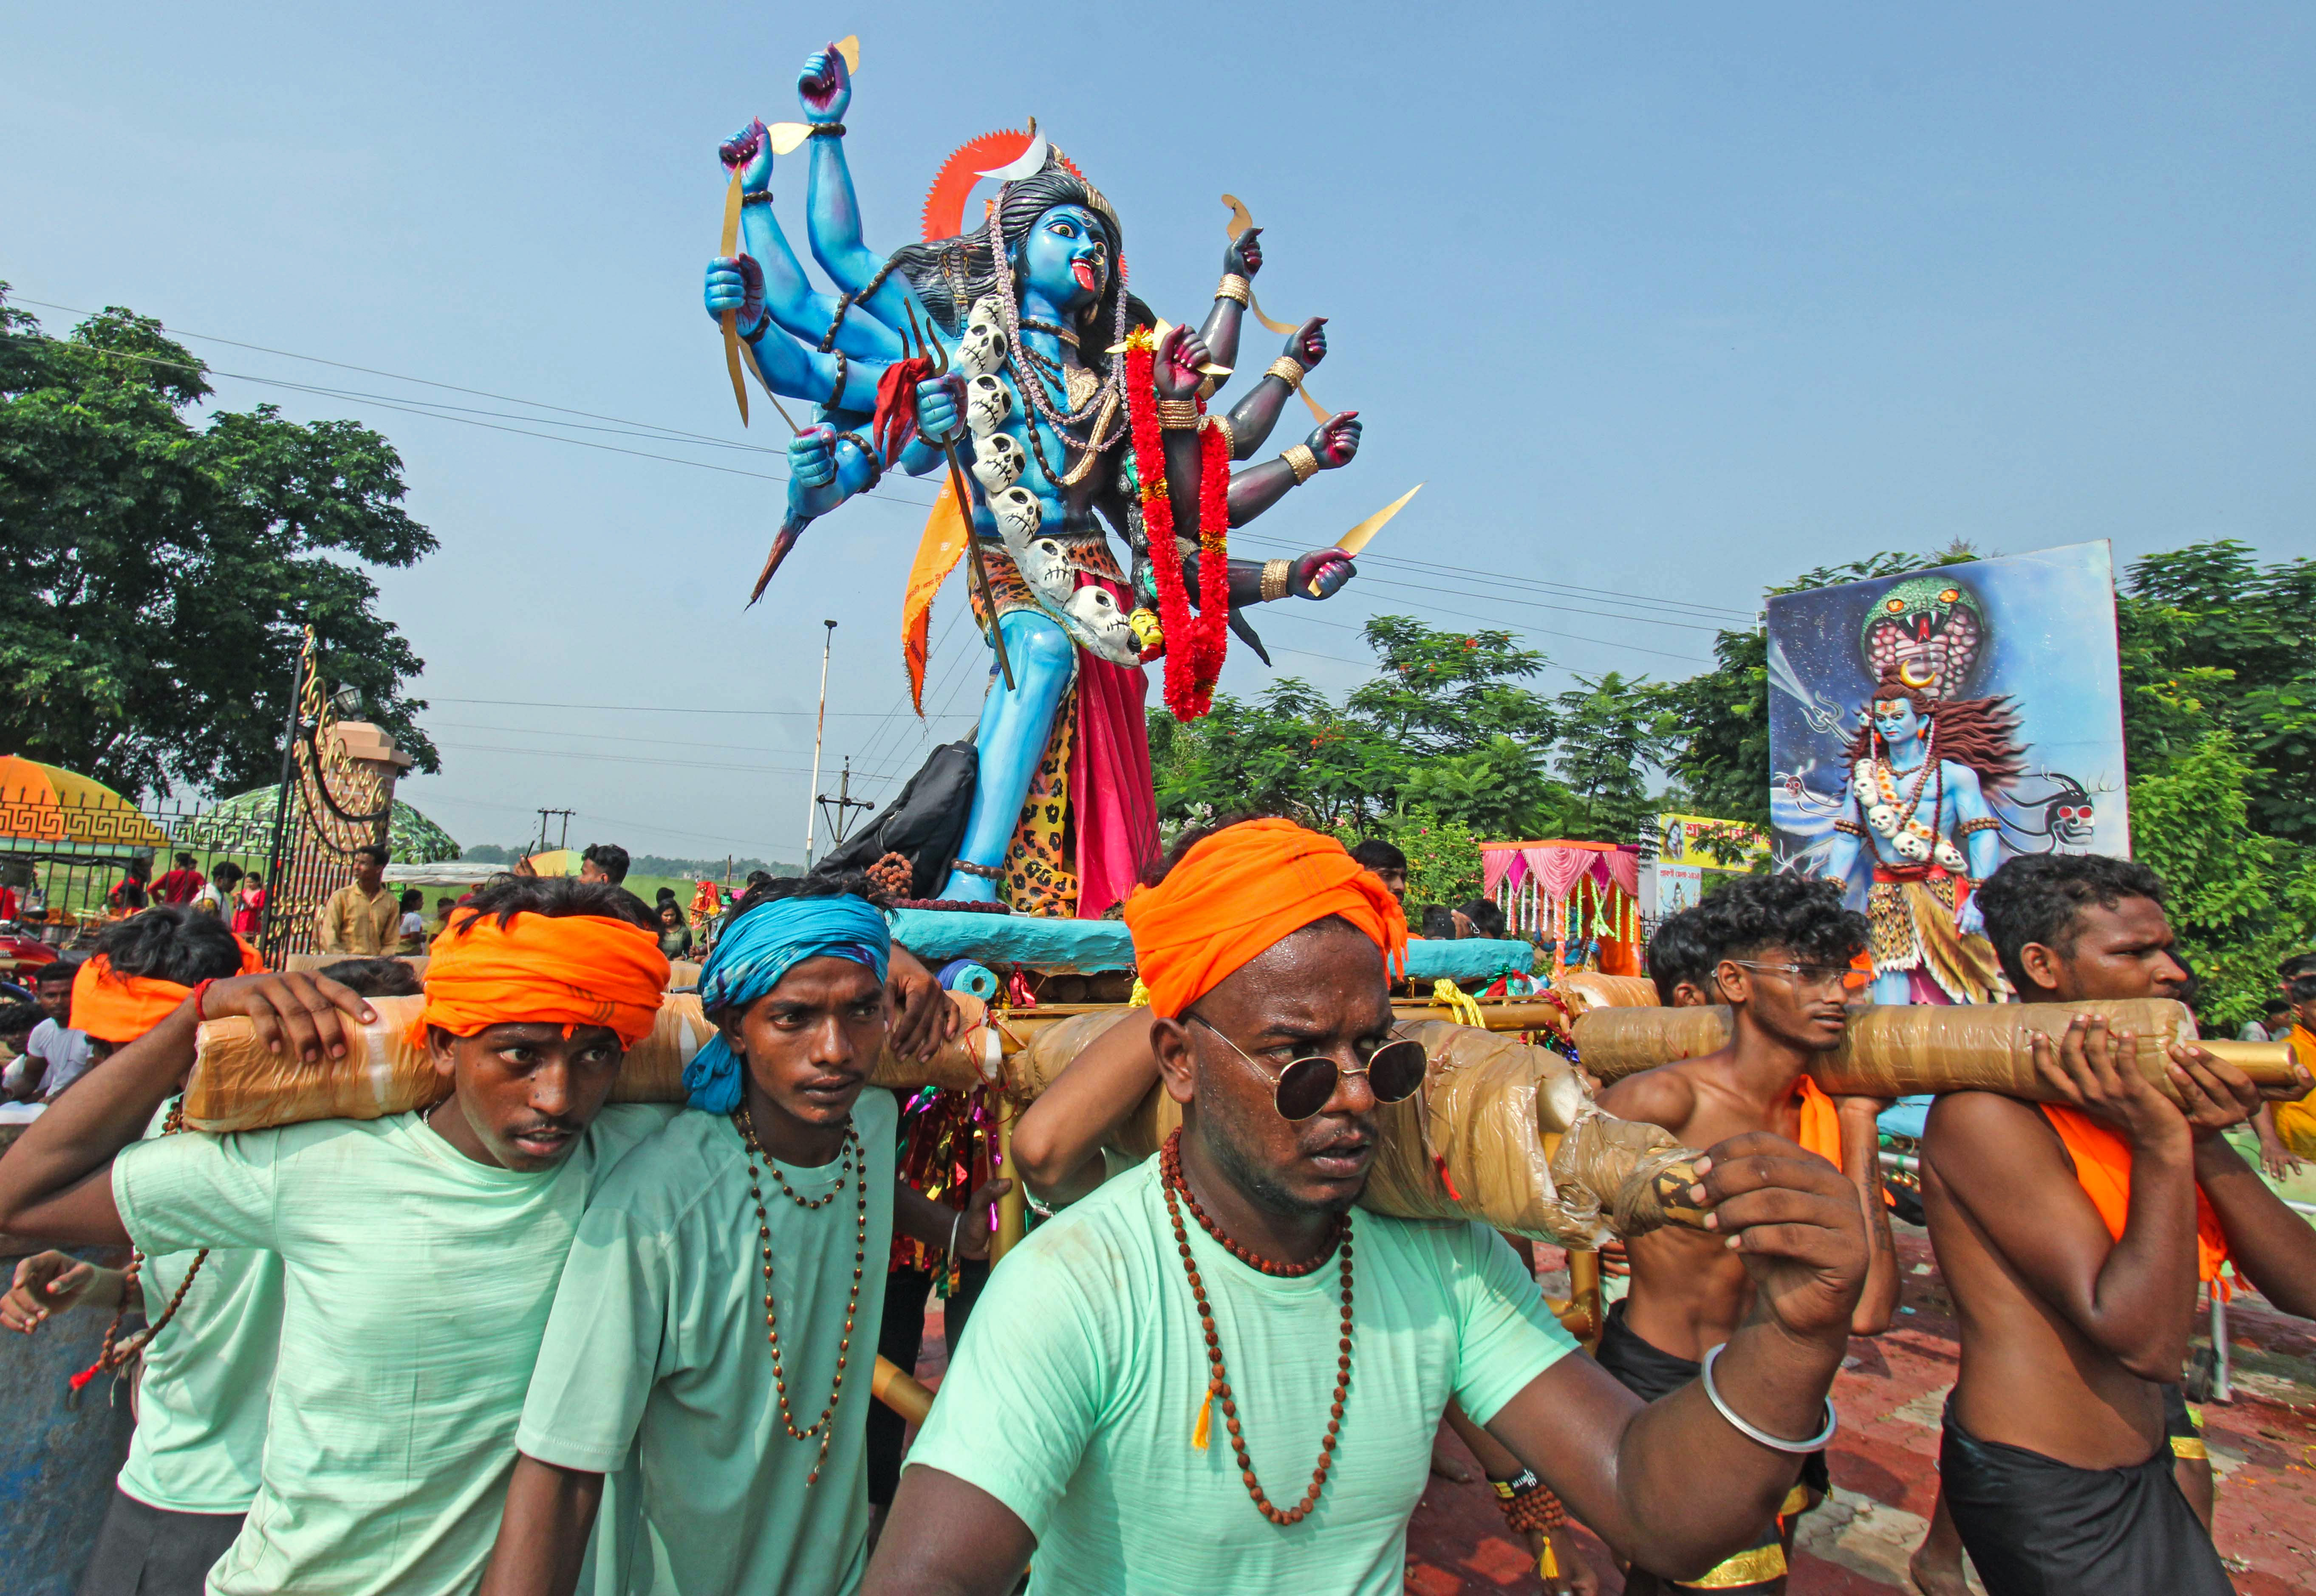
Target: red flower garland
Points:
(1195, 648)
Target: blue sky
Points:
(1665, 304)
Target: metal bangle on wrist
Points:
(1287, 370)
(1276, 574)
(1301, 462)
(1815, 1443)
(1234, 287)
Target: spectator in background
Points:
(675, 934)
(443, 907)
(413, 929)
(249, 906)
(223, 882)
(1386, 861)
(181, 884)
(1484, 918)
(361, 917)
(17, 1022)
(1438, 923)
(55, 1055)
(9, 906)
(603, 861)
(130, 894)
(2274, 1024)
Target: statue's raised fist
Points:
(1307, 344)
(1321, 574)
(1242, 256)
(1336, 440)
(751, 150)
(736, 283)
(825, 87)
(1180, 354)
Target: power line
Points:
(627, 759)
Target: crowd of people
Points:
(526, 1340)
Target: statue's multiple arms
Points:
(831, 210)
(1242, 258)
(1252, 417)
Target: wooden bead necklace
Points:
(1171, 1182)
(855, 1165)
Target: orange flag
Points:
(938, 552)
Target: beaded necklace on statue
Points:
(1178, 1191)
(853, 1164)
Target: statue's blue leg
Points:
(1014, 727)
(1892, 986)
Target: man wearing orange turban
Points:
(1137, 1402)
(420, 1252)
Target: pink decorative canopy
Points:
(1556, 867)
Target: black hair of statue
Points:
(175, 942)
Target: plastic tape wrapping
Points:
(1586, 990)
(1902, 1049)
(1523, 1147)
(236, 1085)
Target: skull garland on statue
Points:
(1029, 315)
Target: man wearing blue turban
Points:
(718, 1316)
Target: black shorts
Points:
(1649, 1372)
(2036, 1527)
(150, 1551)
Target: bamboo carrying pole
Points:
(899, 1390)
(1902, 1050)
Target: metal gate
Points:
(329, 805)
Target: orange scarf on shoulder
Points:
(2102, 1162)
(1820, 1123)
(115, 1008)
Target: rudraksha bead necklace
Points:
(856, 1163)
(1218, 1388)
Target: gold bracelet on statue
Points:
(1234, 287)
(1287, 370)
(1178, 415)
(1274, 573)
(1209, 386)
(1300, 460)
(1221, 423)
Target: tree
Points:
(1449, 693)
(1611, 731)
(1292, 754)
(160, 574)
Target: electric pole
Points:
(543, 814)
(843, 801)
(812, 793)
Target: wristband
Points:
(201, 990)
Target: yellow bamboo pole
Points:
(900, 1392)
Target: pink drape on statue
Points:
(1115, 806)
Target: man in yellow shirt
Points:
(361, 917)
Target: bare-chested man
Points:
(2072, 1238)
(1780, 949)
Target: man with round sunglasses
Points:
(1211, 1375)
(1777, 950)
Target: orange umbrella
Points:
(56, 810)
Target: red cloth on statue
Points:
(1116, 808)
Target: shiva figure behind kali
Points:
(1918, 821)
(1018, 390)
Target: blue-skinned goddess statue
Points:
(1002, 344)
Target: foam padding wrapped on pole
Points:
(1903, 1049)
(236, 1085)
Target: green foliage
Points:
(1291, 753)
(159, 574)
(1449, 693)
(1610, 731)
(1443, 855)
(2240, 901)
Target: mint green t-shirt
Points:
(209, 1374)
(415, 1286)
(1075, 1395)
(657, 1349)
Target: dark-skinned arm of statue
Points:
(1252, 417)
(1175, 375)
(1328, 448)
(1242, 257)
